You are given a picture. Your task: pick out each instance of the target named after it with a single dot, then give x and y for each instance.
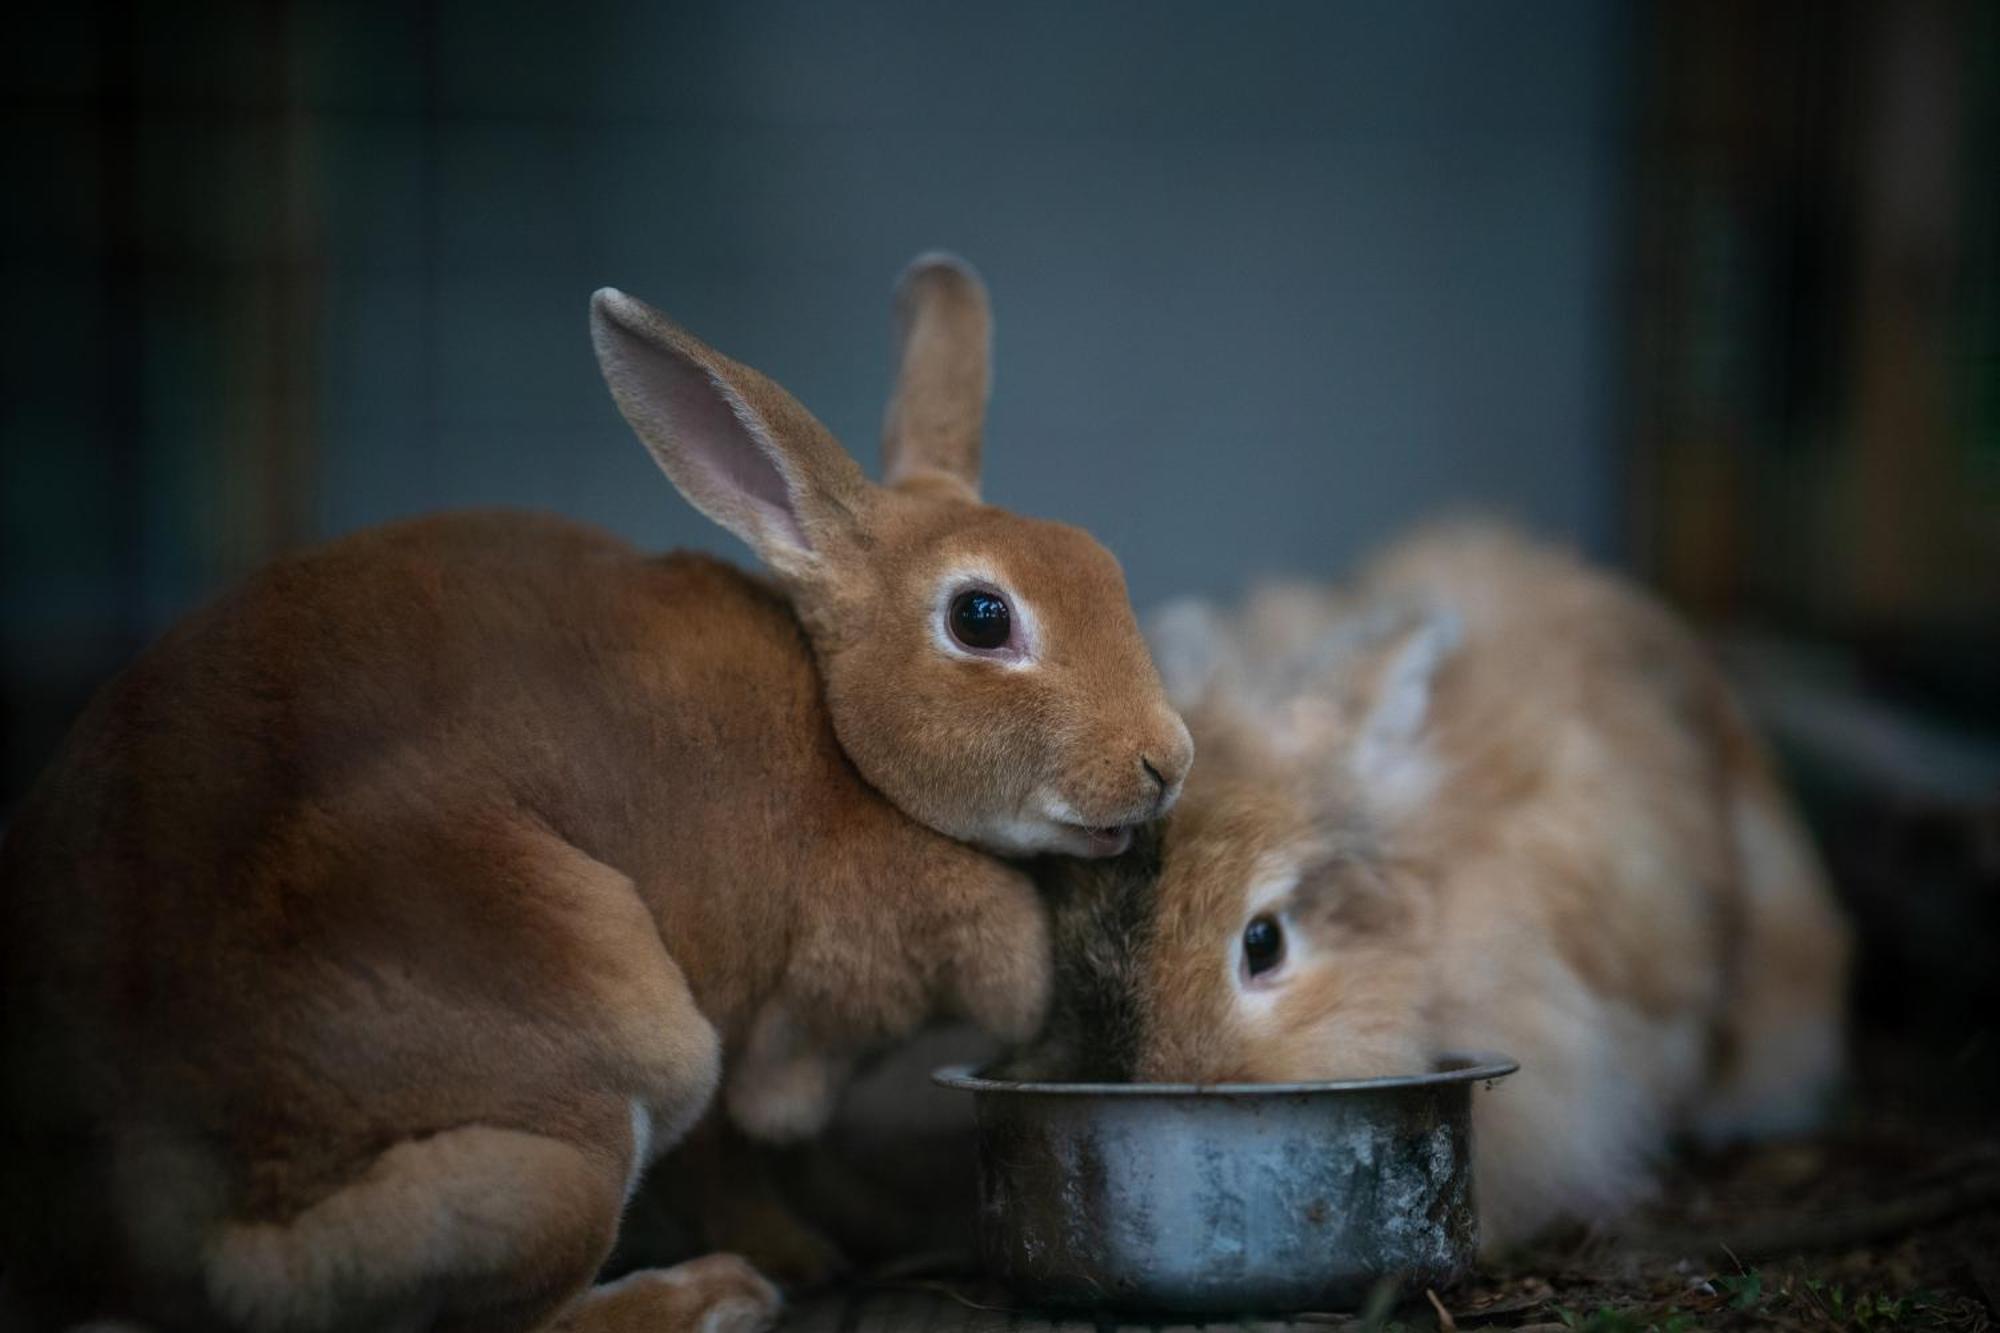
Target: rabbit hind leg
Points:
(478, 1226)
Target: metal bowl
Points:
(1234, 1198)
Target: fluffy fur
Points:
(1496, 801)
(374, 926)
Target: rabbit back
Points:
(475, 820)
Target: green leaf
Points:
(1745, 1290)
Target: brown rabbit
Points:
(372, 932)
(1491, 800)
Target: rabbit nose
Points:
(1165, 755)
(1166, 776)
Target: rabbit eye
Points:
(980, 620)
(1263, 945)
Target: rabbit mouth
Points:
(1064, 828)
(1107, 840)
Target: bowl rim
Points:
(1462, 1067)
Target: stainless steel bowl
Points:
(1238, 1198)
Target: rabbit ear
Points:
(1389, 759)
(1192, 648)
(741, 449)
(937, 408)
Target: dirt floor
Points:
(1877, 1226)
(1887, 1219)
(1890, 1219)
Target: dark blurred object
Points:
(890, 1187)
(1907, 810)
(1815, 457)
(1816, 400)
(163, 266)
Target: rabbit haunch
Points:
(371, 929)
(1490, 800)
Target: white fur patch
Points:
(1049, 824)
(1390, 759)
(1057, 810)
(1275, 879)
(1271, 884)
(1575, 1133)
(642, 1148)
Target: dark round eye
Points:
(980, 620)
(1263, 945)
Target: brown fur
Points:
(355, 919)
(933, 433)
(1018, 761)
(1520, 825)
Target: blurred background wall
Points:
(1706, 288)
(1268, 285)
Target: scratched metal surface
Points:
(1226, 1199)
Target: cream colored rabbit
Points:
(372, 932)
(1491, 800)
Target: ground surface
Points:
(1890, 1220)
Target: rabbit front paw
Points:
(717, 1293)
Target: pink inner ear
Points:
(729, 447)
